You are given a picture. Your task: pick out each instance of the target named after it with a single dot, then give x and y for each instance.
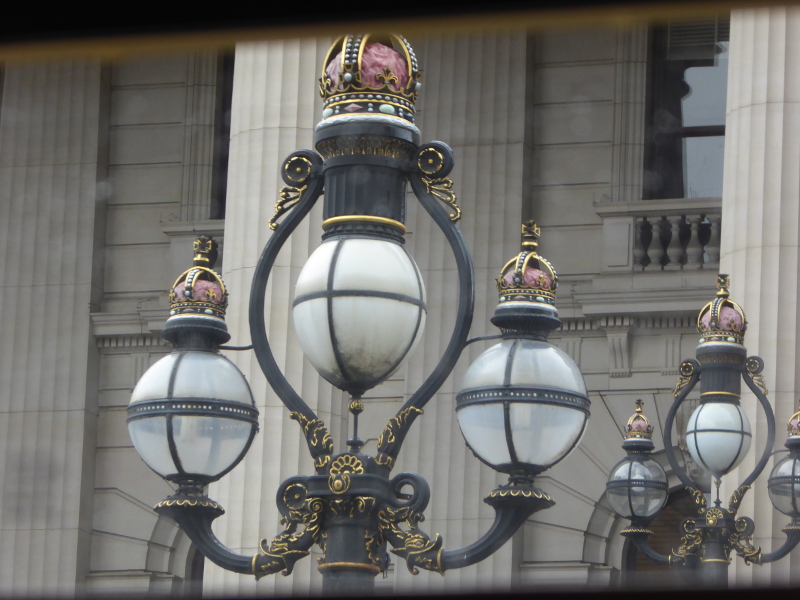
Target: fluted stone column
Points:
(473, 98)
(761, 238)
(275, 107)
(50, 130)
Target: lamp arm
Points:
(299, 199)
(754, 380)
(690, 375)
(639, 536)
(430, 187)
(792, 532)
(194, 516)
(512, 505)
(512, 508)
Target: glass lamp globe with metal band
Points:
(523, 404)
(718, 436)
(784, 480)
(192, 415)
(359, 310)
(637, 485)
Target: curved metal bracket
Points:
(512, 505)
(194, 516)
(420, 179)
(792, 532)
(639, 536)
(752, 377)
(311, 181)
(512, 508)
(690, 375)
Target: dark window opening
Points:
(638, 570)
(687, 89)
(222, 136)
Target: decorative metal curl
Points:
(443, 190)
(288, 547)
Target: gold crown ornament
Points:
(528, 277)
(793, 426)
(370, 74)
(722, 320)
(200, 291)
(639, 426)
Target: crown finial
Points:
(370, 74)
(722, 320)
(205, 252)
(793, 426)
(530, 235)
(723, 283)
(200, 291)
(639, 426)
(528, 276)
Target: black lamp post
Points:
(359, 308)
(718, 436)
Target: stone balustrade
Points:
(666, 235)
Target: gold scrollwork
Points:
(519, 494)
(347, 463)
(430, 161)
(443, 189)
(741, 542)
(736, 499)
(719, 358)
(758, 379)
(297, 169)
(288, 547)
(690, 545)
(394, 425)
(315, 432)
(289, 196)
(203, 503)
(699, 499)
(686, 371)
(413, 545)
(713, 515)
(365, 144)
(632, 530)
(341, 468)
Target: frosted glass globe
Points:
(718, 436)
(192, 416)
(359, 310)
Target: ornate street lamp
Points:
(359, 309)
(718, 436)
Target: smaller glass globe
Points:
(192, 416)
(784, 485)
(637, 487)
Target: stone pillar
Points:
(761, 239)
(50, 157)
(474, 99)
(275, 107)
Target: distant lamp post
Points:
(359, 308)
(718, 435)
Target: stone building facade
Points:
(109, 171)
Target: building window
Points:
(222, 135)
(638, 570)
(685, 133)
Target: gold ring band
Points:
(349, 565)
(720, 394)
(346, 218)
